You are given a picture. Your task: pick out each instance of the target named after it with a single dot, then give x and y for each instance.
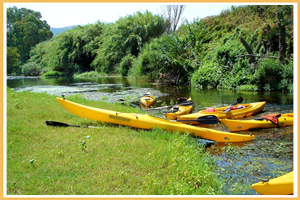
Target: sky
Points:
(60, 15)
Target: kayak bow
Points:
(282, 185)
(242, 125)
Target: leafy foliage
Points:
(166, 58)
(205, 53)
(13, 59)
(221, 66)
(53, 74)
(69, 52)
(31, 69)
(25, 29)
(126, 37)
(125, 65)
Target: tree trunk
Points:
(248, 48)
(282, 43)
(267, 42)
(173, 13)
(178, 77)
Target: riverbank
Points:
(110, 160)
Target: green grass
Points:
(111, 160)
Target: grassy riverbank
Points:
(110, 160)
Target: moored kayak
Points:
(148, 99)
(282, 185)
(242, 125)
(179, 110)
(148, 122)
(246, 110)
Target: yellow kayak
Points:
(179, 110)
(242, 125)
(148, 122)
(246, 110)
(148, 99)
(282, 185)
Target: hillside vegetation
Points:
(245, 47)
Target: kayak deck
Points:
(148, 122)
(242, 125)
(182, 110)
(282, 185)
(248, 110)
(148, 99)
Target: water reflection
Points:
(202, 98)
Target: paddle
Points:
(208, 119)
(186, 103)
(239, 100)
(61, 124)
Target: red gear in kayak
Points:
(272, 118)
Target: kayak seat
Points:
(181, 99)
(174, 109)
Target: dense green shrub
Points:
(269, 74)
(221, 67)
(127, 37)
(88, 74)
(167, 59)
(125, 64)
(31, 69)
(69, 52)
(287, 77)
(247, 87)
(208, 75)
(241, 74)
(53, 74)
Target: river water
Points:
(269, 155)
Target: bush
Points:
(247, 87)
(166, 59)
(269, 74)
(53, 74)
(88, 74)
(125, 64)
(287, 77)
(241, 74)
(208, 75)
(30, 69)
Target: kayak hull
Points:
(248, 110)
(148, 122)
(182, 110)
(243, 125)
(282, 185)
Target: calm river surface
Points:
(270, 154)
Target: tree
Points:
(282, 23)
(173, 14)
(25, 30)
(284, 14)
(13, 66)
(69, 52)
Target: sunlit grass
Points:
(110, 160)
